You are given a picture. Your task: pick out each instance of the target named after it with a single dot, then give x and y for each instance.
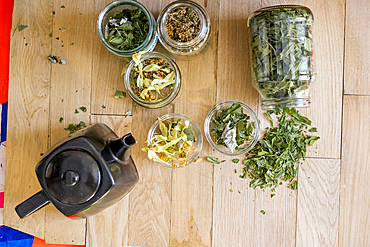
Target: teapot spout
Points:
(120, 147)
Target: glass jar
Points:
(129, 82)
(115, 8)
(282, 55)
(193, 47)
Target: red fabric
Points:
(38, 242)
(6, 11)
(1, 199)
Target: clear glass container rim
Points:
(251, 113)
(171, 62)
(275, 7)
(192, 122)
(205, 24)
(114, 4)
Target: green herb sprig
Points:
(277, 155)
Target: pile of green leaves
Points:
(281, 41)
(128, 29)
(238, 119)
(277, 155)
(72, 128)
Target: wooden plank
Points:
(110, 227)
(70, 90)
(318, 202)
(326, 91)
(106, 75)
(356, 80)
(354, 217)
(193, 226)
(29, 83)
(233, 213)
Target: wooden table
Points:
(193, 206)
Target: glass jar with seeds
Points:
(126, 27)
(152, 80)
(282, 55)
(184, 28)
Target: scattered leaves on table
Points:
(22, 27)
(72, 128)
(120, 94)
(82, 108)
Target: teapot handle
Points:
(32, 204)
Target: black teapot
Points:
(84, 173)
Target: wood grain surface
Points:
(357, 49)
(354, 221)
(202, 204)
(28, 115)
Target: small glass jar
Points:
(170, 98)
(115, 8)
(282, 55)
(192, 48)
(193, 155)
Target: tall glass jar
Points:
(115, 8)
(282, 55)
(187, 48)
(171, 92)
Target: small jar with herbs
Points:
(282, 55)
(184, 29)
(152, 79)
(126, 27)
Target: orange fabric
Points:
(38, 242)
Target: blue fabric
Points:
(12, 238)
(4, 115)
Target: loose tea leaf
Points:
(72, 128)
(232, 127)
(127, 30)
(22, 27)
(119, 94)
(276, 156)
(82, 108)
(182, 24)
(281, 41)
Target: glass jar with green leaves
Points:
(282, 55)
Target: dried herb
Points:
(53, 12)
(41, 154)
(236, 161)
(231, 190)
(172, 144)
(50, 35)
(213, 160)
(82, 108)
(281, 41)
(62, 7)
(76, 111)
(72, 128)
(182, 24)
(152, 79)
(235, 171)
(22, 27)
(103, 106)
(119, 94)
(276, 156)
(232, 127)
(127, 30)
(60, 120)
(263, 212)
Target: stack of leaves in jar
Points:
(281, 42)
(152, 78)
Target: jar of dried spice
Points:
(184, 28)
(152, 80)
(282, 55)
(126, 27)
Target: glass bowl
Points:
(197, 145)
(116, 7)
(244, 148)
(158, 104)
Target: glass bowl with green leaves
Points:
(232, 128)
(126, 27)
(174, 140)
(152, 80)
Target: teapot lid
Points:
(73, 176)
